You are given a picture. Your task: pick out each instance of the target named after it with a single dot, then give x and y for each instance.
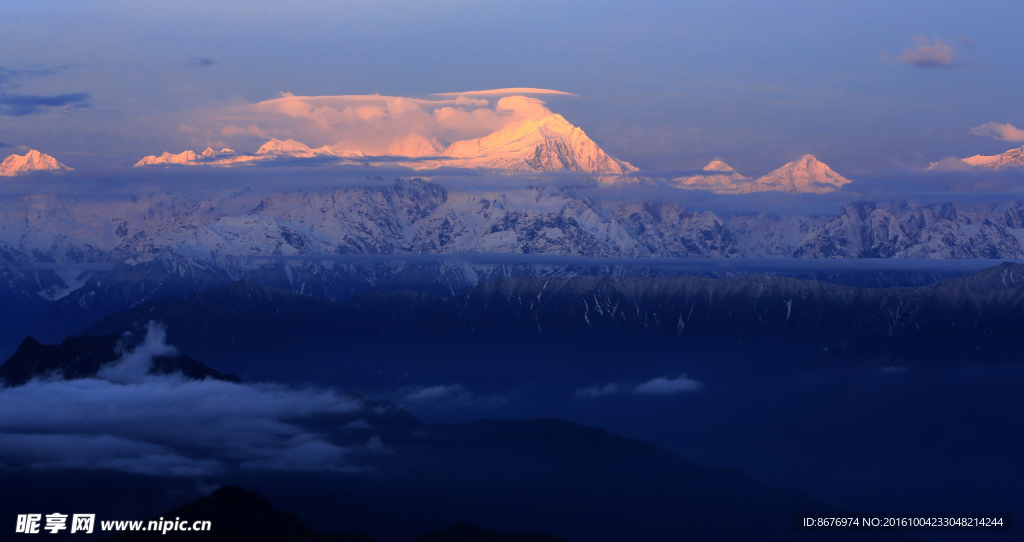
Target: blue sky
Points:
(666, 85)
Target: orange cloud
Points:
(375, 124)
(234, 130)
(926, 54)
(1006, 132)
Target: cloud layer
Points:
(372, 124)
(17, 105)
(447, 396)
(662, 386)
(928, 54)
(200, 62)
(1006, 132)
(131, 422)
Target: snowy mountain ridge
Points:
(33, 160)
(271, 150)
(1010, 158)
(804, 176)
(419, 217)
(720, 178)
(549, 144)
(316, 242)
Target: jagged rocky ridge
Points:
(234, 232)
(52, 248)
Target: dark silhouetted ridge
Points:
(84, 356)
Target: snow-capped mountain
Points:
(190, 158)
(902, 230)
(33, 160)
(720, 178)
(806, 175)
(419, 217)
(237, 231)
(547, 144)
(315, 242)
(802, 176)
(416, 146)
(291, 149)
(1010, 158)
(271, 150)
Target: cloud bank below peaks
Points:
(129, 421)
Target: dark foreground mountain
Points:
(532, 476)
(980, 316)
(118, 289)
(537, 476)
(85, 356)
(400, 478)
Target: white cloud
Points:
(134, 366)
(450, 395)
(1006, 132)
(668, 386)
(654, 386)
(926, 54)
(434, 393)
(950, 163)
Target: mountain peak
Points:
(721, 179)
(288, 146)
(210, 153)
(275, 148)
(33, 160)
(184, 158)
(415, 146)
(548, 143)
(804, 175)
(556, 124)
(1010, 158)
(718, 165)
